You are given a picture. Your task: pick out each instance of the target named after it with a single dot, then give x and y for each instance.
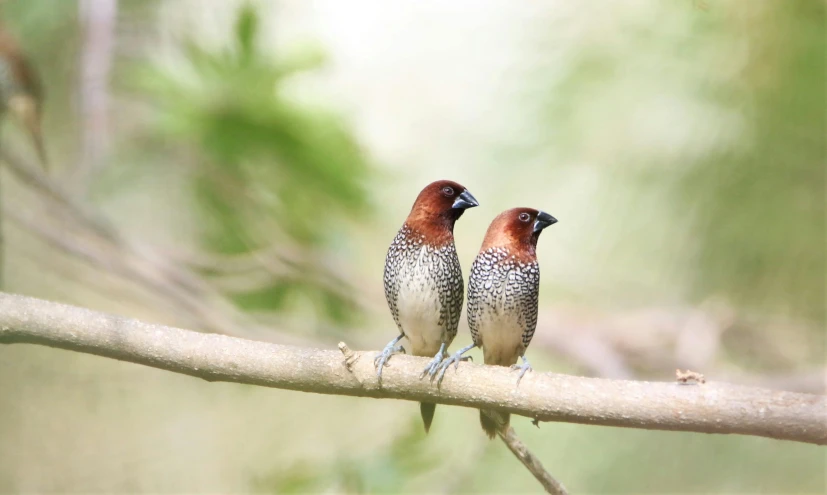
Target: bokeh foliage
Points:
(407, 455)
(736, 200)
(718, 111)
(761, 213)
(271, 172)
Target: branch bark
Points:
(705, 408)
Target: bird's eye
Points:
(448, 191)
(524, 217)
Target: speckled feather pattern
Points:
(424, 289)
(503, 293)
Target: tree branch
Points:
(521, 452)
(535, 467)
(705, 408)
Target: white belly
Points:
(502, 338)
(419, 308)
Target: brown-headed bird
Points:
(423, 278)
(503, 291)
(21, 93)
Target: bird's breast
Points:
(502, 304)
(424, 280)
(418, 302)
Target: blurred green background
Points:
(256, 159)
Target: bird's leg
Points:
(523, 367)
(434, 364)
(382, 358)
(455, 359)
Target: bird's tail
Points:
(489, 425)
(427, 410)
(492, 420)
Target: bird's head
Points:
(439, 205)
(517, 229)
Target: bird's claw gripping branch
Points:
(381, 359)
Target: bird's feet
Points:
(381, 359)
(454, 359)
(430, 370)
(523, 369)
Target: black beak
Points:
(465, 201)
(543, 220)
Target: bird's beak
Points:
(543, 220)
(24, 108)
(465, 201)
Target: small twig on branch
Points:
(534, 466)
(689, 376)
(350, 356)
(521, 452)
(708, 408)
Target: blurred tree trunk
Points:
(98, 19)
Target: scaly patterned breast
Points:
(503, 293)
(424, 290)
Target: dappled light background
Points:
(257, 158)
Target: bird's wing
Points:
(451, 292)
(393, 265)
(529, 299)
(475, 292)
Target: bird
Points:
(423, 279)
(503, 291)
(21, 90)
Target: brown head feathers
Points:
(436, 209)
(517, 230)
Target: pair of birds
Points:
(424, 286)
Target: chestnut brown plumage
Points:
(21, 93)
(503, 290)
(423, 278)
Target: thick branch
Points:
(706, 408)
